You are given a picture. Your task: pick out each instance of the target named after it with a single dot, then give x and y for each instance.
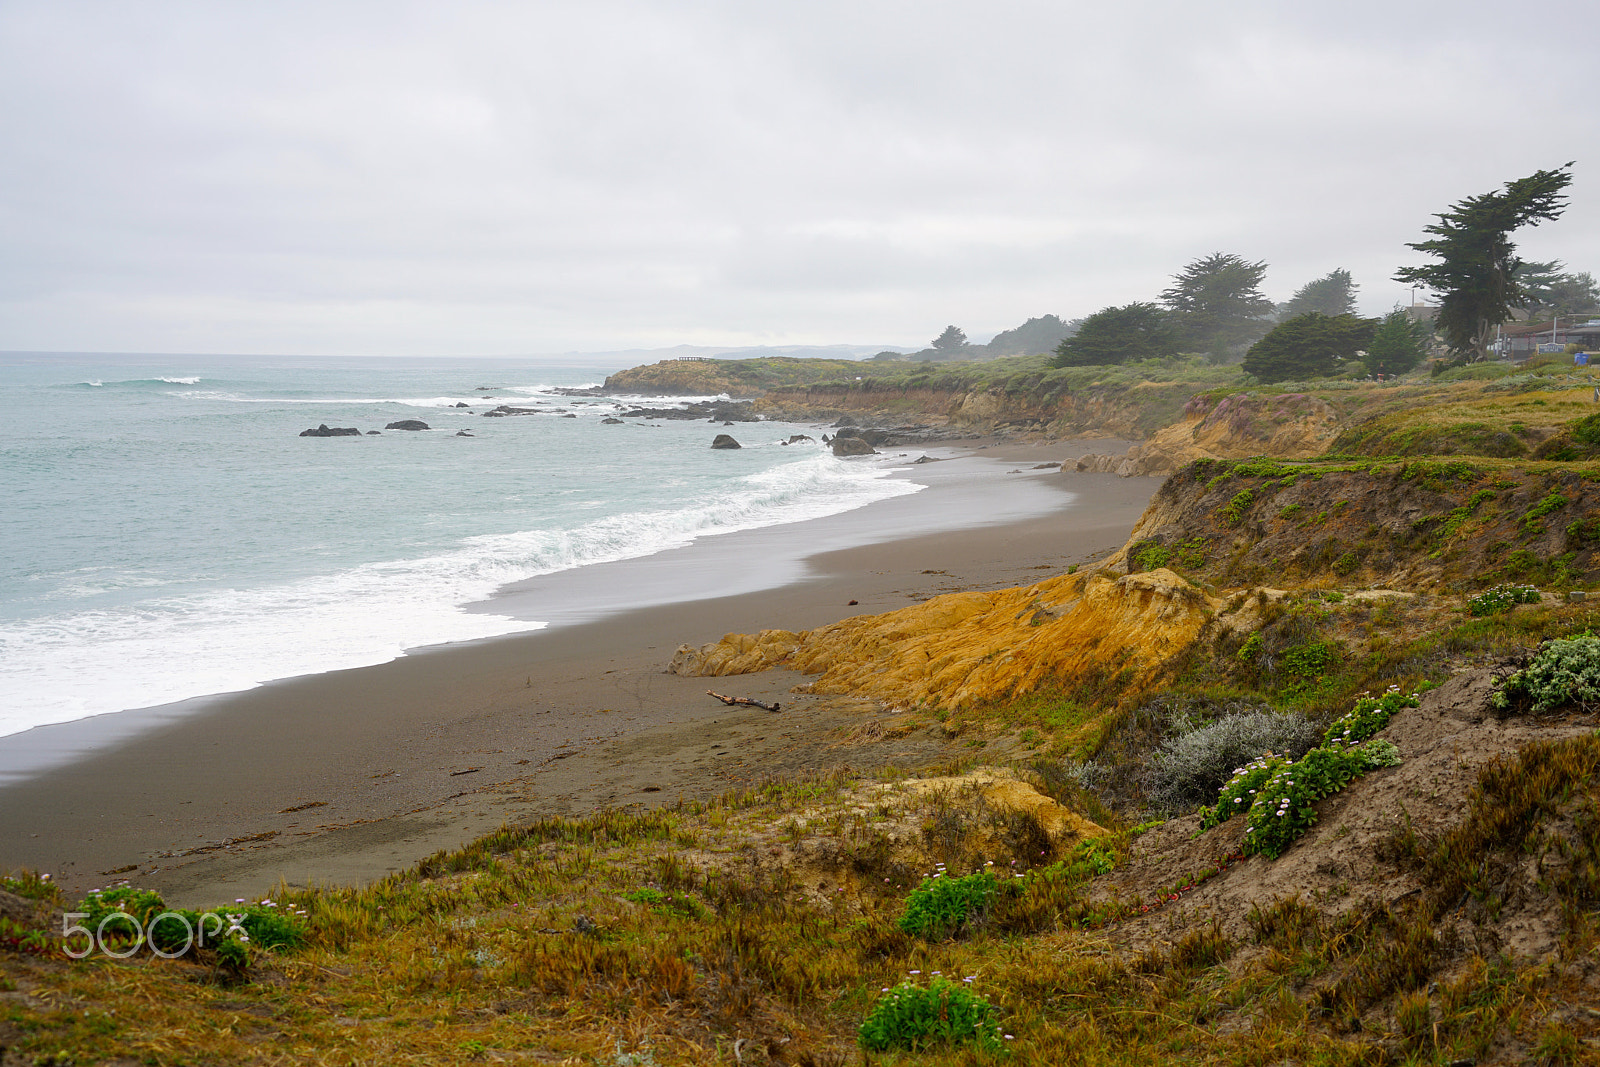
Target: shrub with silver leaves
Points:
(1564, 672)
(1189, 769)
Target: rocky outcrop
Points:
(723, 440)
(965, 648)
(851, 446)
(506, 410)
(1291, 426)
(408, 424)
(325, 430)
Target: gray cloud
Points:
(524, 177)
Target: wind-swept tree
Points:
(1332, 294)
(1475, 276)
(1550, 290)
(1217, 303)
(951, 342)
(1307, 346)
(1116, 335)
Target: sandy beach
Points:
(346, 776)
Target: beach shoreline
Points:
(346, 776)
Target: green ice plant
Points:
(1501, 599)
(1285, 807)
(1240, 791)
(914, 1017)
(1278, 797)
(1370, 715)
(174, 929)
(942, 904)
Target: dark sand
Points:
(343, 777)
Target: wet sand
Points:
(344, 777)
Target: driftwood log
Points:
(744, 701)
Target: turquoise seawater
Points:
(167, 534)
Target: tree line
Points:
(1215, 305)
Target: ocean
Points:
(167, 534)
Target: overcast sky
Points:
(494, 178)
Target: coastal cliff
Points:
(964, 649)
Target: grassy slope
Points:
(762, 928)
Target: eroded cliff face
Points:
(1420, 524)
(1129, 413)
(963, 649)
(1291, 426)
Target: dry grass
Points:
(771, 930)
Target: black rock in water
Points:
(408, 424)
(851, 446)
(331, 431)
(725, 441)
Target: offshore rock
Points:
(408, 424)
(966, 648)
(325, 430)
(723, 440)
(851, 446)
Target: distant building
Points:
(1421, 312)
(1520, 340)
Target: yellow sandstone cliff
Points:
(967, 648)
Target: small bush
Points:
(941, 905)
(1189, 769)
(1501, 599)
(262, 924)
(1241, 790)
(1238, 507)
(1370, 715)
(1151, 555)
(1285, 805)
(1564, 672)
(911, 1017)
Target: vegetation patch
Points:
(1564, 672)
(915, 1018)
(1501, 599)
(943, 904)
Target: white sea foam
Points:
(71, 665)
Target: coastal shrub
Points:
(1189, 769)
(1501, 599)
(913, 1017)
(1564, 672)
(942, 904)
(172, 929)
(1278, 796)
(1284, 807)
(1238, 507)
(1241, 790)
(32, 885)
(1150, 555)
(1533, 521)
(1369, 715)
